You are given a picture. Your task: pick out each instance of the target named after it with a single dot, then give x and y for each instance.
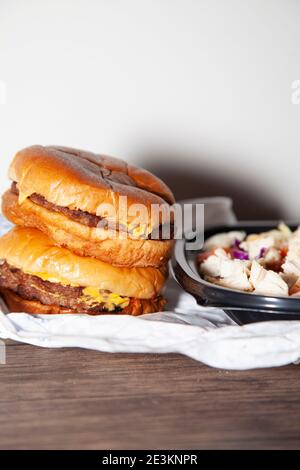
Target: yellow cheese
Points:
(92, 295)
(48, 277)
(22, 197)
(141, 231)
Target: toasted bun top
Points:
(32, 252)
(83, 180)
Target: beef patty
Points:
(32, 287)
(83, 217)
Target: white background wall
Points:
(198, 90)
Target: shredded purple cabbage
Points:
(236, 244)
(262, 253)
(238, 252)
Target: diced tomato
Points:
(284, 251)
(203, 255)
(277, 267)
(295, 288)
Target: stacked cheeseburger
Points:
(69, 253)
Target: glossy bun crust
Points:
(15, 303)
(83, 180)
(87, 182)
(84, 240)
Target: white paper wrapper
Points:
(204, 334)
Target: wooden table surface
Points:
(73, 399)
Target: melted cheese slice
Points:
(91, 295)
(22, 197)
(140, 232)
(48, 277)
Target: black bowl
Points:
(240, 306)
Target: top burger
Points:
(92, 204)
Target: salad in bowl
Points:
(266, 263)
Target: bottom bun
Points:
(15, 303)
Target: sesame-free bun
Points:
(84, 240)
(85, 181)
(15, 303)
(34, 253)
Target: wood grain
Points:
(73, 399)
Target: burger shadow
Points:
(250, 202)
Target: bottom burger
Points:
(38, 277)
